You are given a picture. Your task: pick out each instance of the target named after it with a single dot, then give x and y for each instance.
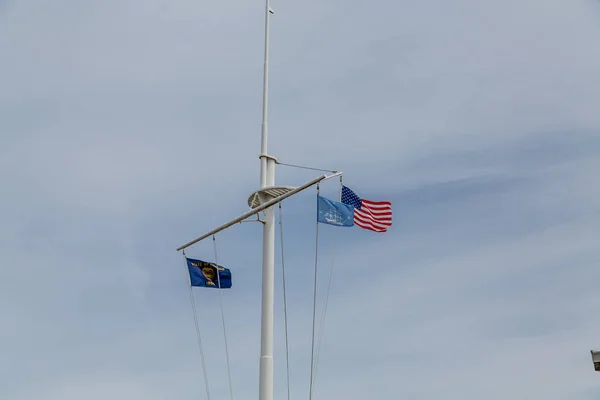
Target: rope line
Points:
(223, 319)
(322, 326)
(320, 340)
(314, 305)
(287, 357)
(198, 336)
(303, 167)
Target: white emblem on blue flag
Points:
(335, 213)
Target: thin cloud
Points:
(130, 128)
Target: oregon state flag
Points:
(207, 274)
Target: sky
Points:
(130, 127)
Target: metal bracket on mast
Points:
(280, 192)
(265, 194)
(268, 157)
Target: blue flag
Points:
(204, 274)
(334, 213)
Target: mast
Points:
(267, 179)
(267, 172)
(263, 200)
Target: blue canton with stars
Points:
(349, 197)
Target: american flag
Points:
(373, 215)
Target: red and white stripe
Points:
(374, 215)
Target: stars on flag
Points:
(372, 215)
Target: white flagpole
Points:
(264, 200)
(264, 170)
(267, 178)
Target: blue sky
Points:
(129, 127)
